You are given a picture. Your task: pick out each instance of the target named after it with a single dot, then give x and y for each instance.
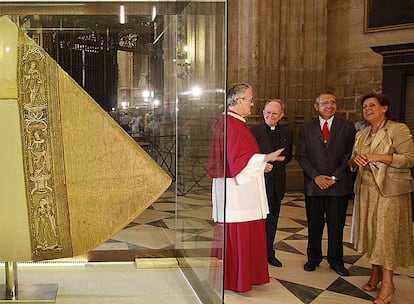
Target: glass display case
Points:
(158, 68)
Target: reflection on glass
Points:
(200, 70)
(159, 70)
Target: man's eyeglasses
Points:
(328, 102)
(250, 100)
(271, 113)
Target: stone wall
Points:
(287, 49)
(353, 69)
(294, 49)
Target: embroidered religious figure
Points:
(46, 235)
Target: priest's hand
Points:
(268, 168)
(275, 156)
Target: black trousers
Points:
(271, 223)
(332, 211)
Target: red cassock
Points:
(245, 261)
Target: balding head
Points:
(273, 112)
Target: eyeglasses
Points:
(250, 100)
(328, 102)
(271, 113)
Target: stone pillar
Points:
(169, 46)
(280, 48)
(243, 41)
(302, 57)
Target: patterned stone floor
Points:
(160, 228)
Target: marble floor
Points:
(188, 226)
(109, 274)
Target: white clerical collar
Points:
(273, 128)
(235, 115)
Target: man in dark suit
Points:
(323, 149)
(271, 136)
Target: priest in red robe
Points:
(244, 211)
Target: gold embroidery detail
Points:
(38, 151)
(47, 203)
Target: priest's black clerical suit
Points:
(269, 140)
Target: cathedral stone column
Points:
(243, 41)
(280, 48)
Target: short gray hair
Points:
(236, 91)
(318, 97)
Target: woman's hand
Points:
(360, 160)
(363, 160)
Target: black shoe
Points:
(341, 270)
(274, 261)
(309, 266)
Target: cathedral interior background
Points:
(161, 70)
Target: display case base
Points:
(31, 294)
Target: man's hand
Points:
(268, 168)
(275, 156)
(324, 182)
